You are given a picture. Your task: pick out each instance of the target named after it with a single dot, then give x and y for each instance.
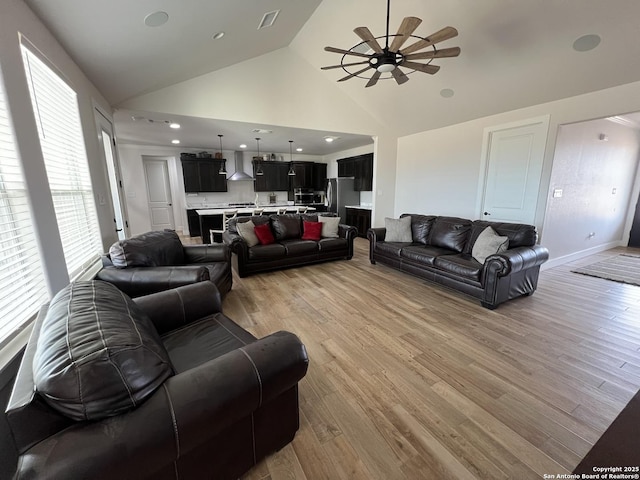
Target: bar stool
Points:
(303, 209)
(282, 210)
(227, 215)
(258, 211)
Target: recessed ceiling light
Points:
(175, 142)
(261, 130)
(174, 125)
(586, 43)
(330, 138)
(298, 149)
(446, 93)
(244, 145)
(218, 36)
(156, 19)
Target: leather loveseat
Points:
(156, 261)
(289, 249)
(161, 387)
(440, 250)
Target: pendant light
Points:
(259, 171)
(223, 170)
(291, 172)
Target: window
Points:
(56, 110)
(22, 286)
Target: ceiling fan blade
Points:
(351, 75)
(344, 65)
(421, 67)
(440, 36)
(445, 52)
(399, 76)
(374, 79)
(365, 34)
(345, 52)
(407, 27)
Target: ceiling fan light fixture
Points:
(386, 67)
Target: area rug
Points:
(623, 268)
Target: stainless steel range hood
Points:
(239, 174)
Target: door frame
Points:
(101, 116)
(486, 150)
(155, 158)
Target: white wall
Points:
(587, 170)
(16, 19)
(438, 171)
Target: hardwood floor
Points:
(408, 380)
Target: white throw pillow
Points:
(329, 226)
(398, 230)
(246, 231)
(488, 243)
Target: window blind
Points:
(22, 285)
(56, 110)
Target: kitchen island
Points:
(211, 218)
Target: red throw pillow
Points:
(312, 230)
(264, 234)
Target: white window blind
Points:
(56, 110)
(22, 286)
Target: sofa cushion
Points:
(329, 226)
(264, 234)
(273, 251)
(450, 232)
(519, 234)
(423, 254)
(333, 244)
(398, 229)
(232, 226)
(98, 354)
(286, 226)
(420, 227)
(246, 231)
(461, 264)
(311, 230)
(151, 249)
(298, 247)
(488, 243)
(390, 249)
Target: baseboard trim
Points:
(554, 262)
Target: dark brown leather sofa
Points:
(156, 261)
(289, 250)
(440, 251)
(161, 387)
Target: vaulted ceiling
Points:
(515, 53)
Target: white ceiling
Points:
(515, 53)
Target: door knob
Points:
(487, 213)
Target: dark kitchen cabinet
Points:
(193, 220)
(319, 177)
(274, 176)
(359, 218)
(303, 177)
(201, 175)
(361, 168)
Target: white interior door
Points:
(514, 162)
(107, 139)
(156, 175)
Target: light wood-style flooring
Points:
(408, 380)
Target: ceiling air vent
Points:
(261, 130)
(268, 19)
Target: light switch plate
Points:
(557, 193)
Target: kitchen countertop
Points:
(360, 207)
(249, 210)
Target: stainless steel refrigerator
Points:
(341, 193)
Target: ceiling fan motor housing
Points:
(386, 61)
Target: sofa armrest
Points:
(347, 231)
(516, 259)
(232, 386)
(233, 241)
(174, 308)
(207, 253)
(137, 281)
(375, 235)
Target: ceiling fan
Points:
(390, 58)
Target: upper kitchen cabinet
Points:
(361, 168)
(274, 176)
(201, 174)
(319, 176)
(303, 177)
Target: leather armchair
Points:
(231, 400)
(157, 261)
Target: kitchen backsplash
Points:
(238, 192)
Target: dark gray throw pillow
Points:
(98, 354)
